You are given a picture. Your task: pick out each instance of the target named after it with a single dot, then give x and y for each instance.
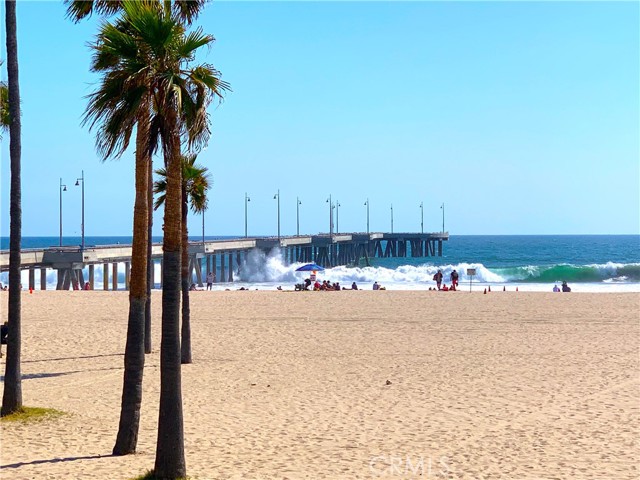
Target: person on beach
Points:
(565, 287)
(376, 286)
(438, 278)
(210, 278)
(556, 288)
(454, 278)
(354, 286)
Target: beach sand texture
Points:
(294, 385)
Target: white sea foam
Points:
(267, 271)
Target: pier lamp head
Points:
(64, 188)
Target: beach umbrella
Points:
(309, 267)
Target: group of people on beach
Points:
(565, 288)
(453, 277)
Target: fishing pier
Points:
(224, 257)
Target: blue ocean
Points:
(601, 263)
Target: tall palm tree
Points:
(120, 104)
(153, 53)
(12, 395)
(195, 183)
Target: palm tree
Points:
(121, 103)
(12, 395)
(195, 183)
(147, 51)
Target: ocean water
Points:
(600, 263)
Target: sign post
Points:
(471, 272)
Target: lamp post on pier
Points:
(277, 196)
(421, 217)
(78, 180)
(63, 188)
(246, 202)
(442, 207)
(338, 216)
(392, 218)
(298, 203)
(330, 216)
(367, 205)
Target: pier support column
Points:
(43, 279)
(152, 271)
(214, 268)
(127, 271)
(105, 276)
(114, 276)
(32, 278)
(92, 276)
(223, 276)
(61, 276)
(231, 267)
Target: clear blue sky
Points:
(522, 117)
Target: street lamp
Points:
(63, 188)
(330, 215)
(421, 217)
(246, 202)
(442, 207)
(78, 180)
(337, 216)
(367, 205)
(277, 195)
(298, 203)
(202, 231)
(392, 218)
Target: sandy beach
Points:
(344, 385)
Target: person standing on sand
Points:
(454, 278)
(210, 278)
(438, 278)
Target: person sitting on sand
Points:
(307, 283)
(565, 287)
(445, 288)
(192, 287)
(316, 286)
(376, 286)
(556, 288)
(354, 286)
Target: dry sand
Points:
(294, 385)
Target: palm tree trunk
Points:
(12, 396)
(185, 345)
(147, 307)
(127, 438)
(170, 461)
